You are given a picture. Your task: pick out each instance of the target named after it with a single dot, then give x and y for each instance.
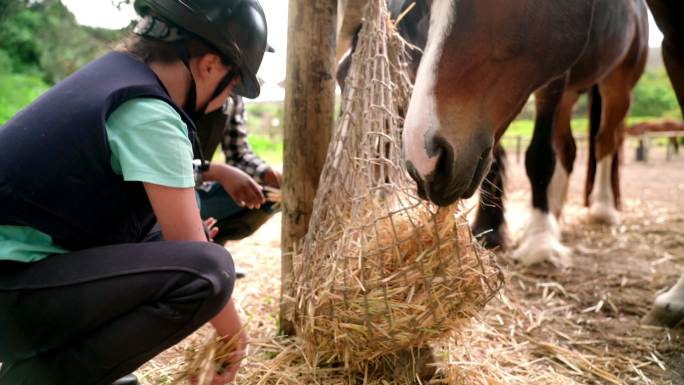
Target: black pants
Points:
(90, 317)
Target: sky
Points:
(101, 13)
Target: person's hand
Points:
(272, 178)
(227, 368)
(241, 187)
(227, 371)
(210, 223)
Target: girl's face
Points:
(208, 71)
(218, 101)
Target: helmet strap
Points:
(191, 96)
(225, 82)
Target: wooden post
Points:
(309, 109)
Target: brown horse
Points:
(668, 309)
(663, 125)
(482, 61)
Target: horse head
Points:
(482, 60)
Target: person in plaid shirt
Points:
(236, 213)
(237, 150)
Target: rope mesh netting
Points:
(380, 270)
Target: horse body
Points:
(483, 60)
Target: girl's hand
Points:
(210, 223)
(228, 366)
(227, 371)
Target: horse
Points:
(669, 126)
(662, 125)
(489, 220)
(668, 307)
(482, 61)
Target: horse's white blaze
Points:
(558, 189)
(602, 200)
(542, 242)
(421, 117)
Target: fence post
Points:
(309, 116)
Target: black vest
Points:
(55, 161)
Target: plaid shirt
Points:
(237, 150)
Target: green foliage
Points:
(267, 148)
(654, 96)
(17, 91)
(43, 37)
(263, 110)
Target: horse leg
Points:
(668, 309)
(490, 220)
(595, 106)
(675, 145)
(541, 241)
(616, 95)
(566, 150)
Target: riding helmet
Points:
(235, 28)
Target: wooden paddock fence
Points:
(643, 145)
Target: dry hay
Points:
(381, 272)
(214, 355)
(546, 328)
(399, 296)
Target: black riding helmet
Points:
(235, 28)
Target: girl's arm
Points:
(179, 218)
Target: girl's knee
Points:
(215, 264)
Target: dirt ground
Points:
(574, 326)
(616, 271)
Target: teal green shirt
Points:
(149, 143)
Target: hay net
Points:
(381, 270)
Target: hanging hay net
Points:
(381, 271)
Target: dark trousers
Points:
(93, 316)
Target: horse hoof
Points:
(600, 213)
(542, 242)
(666, 312)
(542, 247)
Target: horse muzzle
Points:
(453, 178)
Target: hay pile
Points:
(381, 271)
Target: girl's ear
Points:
(210, 65)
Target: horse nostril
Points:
(445, 156)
